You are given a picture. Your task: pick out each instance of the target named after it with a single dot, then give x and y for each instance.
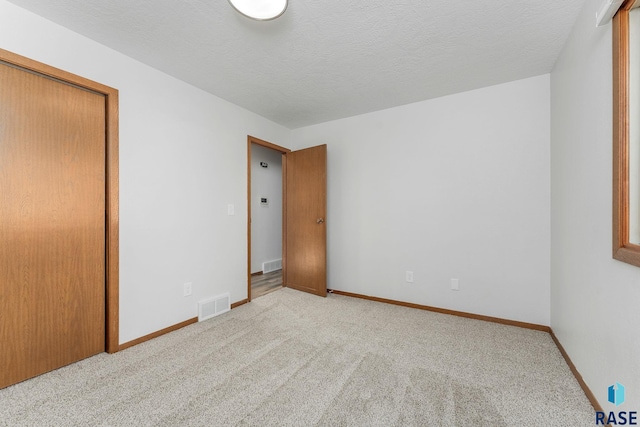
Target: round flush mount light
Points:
(260, 10)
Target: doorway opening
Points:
(304, 209)
(266, 226)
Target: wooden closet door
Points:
(52, 224)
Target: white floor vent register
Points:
(211, 307)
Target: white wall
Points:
(266, 220)
(595, 300)
(182, 160)
(455, 187)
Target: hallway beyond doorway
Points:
(262, 284)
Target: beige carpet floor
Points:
(292, 359)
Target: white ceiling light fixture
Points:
(260, 10)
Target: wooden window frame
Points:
(623, 250)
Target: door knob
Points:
(319, 220)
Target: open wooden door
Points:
(305, 233)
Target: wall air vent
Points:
(269, 266)
(211, 307)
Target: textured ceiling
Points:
(328, 59)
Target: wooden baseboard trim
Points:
(574, 370)
(446, 311)
(169, 329)
(157, 334)
(259, 273)
(239, 303)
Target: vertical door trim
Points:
(112, 183)
(282, 150)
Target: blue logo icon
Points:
(616, 394)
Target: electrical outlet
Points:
(186, 289)
(455, 285)
(409, 276)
